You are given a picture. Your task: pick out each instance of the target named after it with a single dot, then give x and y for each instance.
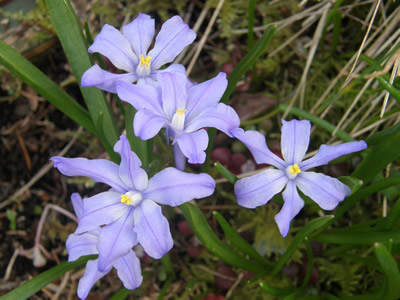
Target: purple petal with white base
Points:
(173, 187)
(101, 209)
(173, 92)
(152, 229)
(140, 33)
(222, 117)
(116, 240)
(255, 141)
(81, 245)
(96, 76)
(326, 191)
(170, 41)
(99, 170)
(128, 268)
(92, 274)
(258, 189)
(141, 97)
(295, 140)
(130, 171)
(292, 206)
(147, 124)
(193, 145)
(112, 44)
(327, 153)
(205, 94)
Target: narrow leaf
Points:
(224, 172)
(204, 233)
(34, 285)
(20, 67)
(71, 37)
(390, 269)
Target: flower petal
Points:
(206, 94)
(179, 158)
(96, 76)
(81, 245)
(92, 274)
(140, 33)
(130, 171)
(147, 124)
(152, 229)
(128, 268)
(99, 170)
(101, 209)
(77, 204)
(295, 140)
(292, 206)
(170, 41)
(112, 44)
(326, 191)
(173, 187)
(193, 145)
(327, 153)
(173, 92)
(116, 240)
(141, 97)
(255, 141)
(222, 116)
(258, 189)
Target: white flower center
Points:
(131, 198)
(143, 69)
(292, 171)
(178, 120)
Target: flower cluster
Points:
(111, 223)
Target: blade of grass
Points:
(71, 37)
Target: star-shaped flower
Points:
(129, 209)
(183, 109)
(292, 172)
(128, 51)
(128, 266)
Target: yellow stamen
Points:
(144, 61)
(126, 200)
(294, 169)
(181, 111)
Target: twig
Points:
(62, 286)
(11, 264)
(204, 37)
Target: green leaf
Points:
(383, 153)
(354, 183)
(71, 37)
(393, 216)
(224, 172)
(238, 241)
(276, 291)
(391, 270)
(298, 240)
(122, 294)
(390, 88)
(34, 285)
(204, 233)
(20, 67)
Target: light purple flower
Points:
(129, 209)
(183, 109)
(258, 189)
(128, 266)
(128, 51)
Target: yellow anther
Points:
(144, 61)
(181, 111)
(126, 200)
(294, 169)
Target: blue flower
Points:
(128, 266)
(129, 210)
(128, 51)
(183, 109)
(258, 189)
